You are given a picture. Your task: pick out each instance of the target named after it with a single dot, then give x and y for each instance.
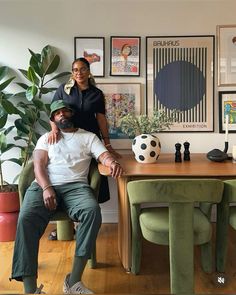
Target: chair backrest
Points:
(230, 190)
(25, 179)
(27, 176)
(180, 194)
(175, 190)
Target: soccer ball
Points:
(147, 148)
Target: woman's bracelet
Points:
(107, 145)
(46, 187)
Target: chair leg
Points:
(206, 257)
(65, 230)
(181, 248)
(222, 234)
(92, 262)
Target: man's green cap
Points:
(57, 105)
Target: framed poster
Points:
(180, 75)
(227, 101)
(121, 99)
(125, 56)
(91, 48)
(226, 55)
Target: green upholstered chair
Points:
(226, 214)
(65, 226)
(180, 225)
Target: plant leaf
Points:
(9, 107)
(14, 160)
(52, 67)
(45, 90)
(3, 142)
(23, 85)
(24, 73)
(31, 92)
(47, 55)
(21, 126)
(3, 120)
(3, 72)
(32, 76)
(36, 63)
(6, 83)
(45, 124)
(58, 76)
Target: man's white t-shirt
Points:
(69, 158)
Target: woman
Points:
(81, 93)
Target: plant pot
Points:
(9, 211)
(8, 223)
(147, 148)
(9, 202)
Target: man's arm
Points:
(40, 158)
(108, 160)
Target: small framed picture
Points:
(121, 99)
(91, 48)
(226, 55)
(227, 100)
(125, 56)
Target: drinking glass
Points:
(234, 154)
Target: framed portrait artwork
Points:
(226, 55)
(91, 48)
(180, 76)
(227, 106)
(120, 99)
(125, 56)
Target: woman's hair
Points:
(84, 60)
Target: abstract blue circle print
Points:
(180, 85)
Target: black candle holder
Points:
(217, 155)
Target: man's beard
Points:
(65, 123)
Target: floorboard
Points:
(55, 261)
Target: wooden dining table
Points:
(165, 167)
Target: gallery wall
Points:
(35, 23)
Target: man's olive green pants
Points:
(78, 200)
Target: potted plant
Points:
(146, 145)
(32, 110)
(9, 197)
(6, 109)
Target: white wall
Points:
(36, 23)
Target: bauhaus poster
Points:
(180, 75)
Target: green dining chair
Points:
(65, 226)
(226, 215)
(180, 224)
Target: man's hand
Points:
(49, 197)
(108, 160)
(115, 169)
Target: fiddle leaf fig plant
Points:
(135, 125)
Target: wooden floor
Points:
(55, 262)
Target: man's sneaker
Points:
(39, 290)
(77, 288)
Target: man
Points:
(61, 171)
